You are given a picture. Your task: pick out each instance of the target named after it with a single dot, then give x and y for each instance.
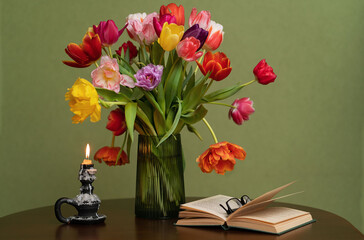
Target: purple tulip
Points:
(198, 33)
(149, 77)
(108, 32)
(158, 25)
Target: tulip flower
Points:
(107, 75)
(202, 18)
(215, 37)
(187, 48)
(170, 36)
(127, 81)
(88, 52)
(109, 155)
(149, 77)
(264, 73)
(198, 33)
(177, 11)
(244, 107)
(108, 32)
(84, 101)
(217, 64)
(116, 122)
(158, 25)
(133, 51)
(141, 29)
(220, 157)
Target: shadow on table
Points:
(81, 232)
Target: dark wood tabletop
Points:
(40, 223)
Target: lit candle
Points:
(87, 161)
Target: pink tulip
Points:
(244, 107)
(107, 75)
(108, 32)
(202, 18)
(141, 29)
(158, 25)
(215, 37)
(187, 48)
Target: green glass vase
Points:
(160, 183)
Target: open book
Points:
(255, 215)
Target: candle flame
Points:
(87, 150)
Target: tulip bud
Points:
(264, 73)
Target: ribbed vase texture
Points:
(160, 182)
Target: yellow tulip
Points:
(170, 36)
(84, 101)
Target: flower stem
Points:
(110, 52)
(246, 84)
(97, 65)
(210, 128)
(222, 104)
(199, 61)
(113, 140)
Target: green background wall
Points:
(308, 125)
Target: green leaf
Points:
(172, 82)
(130, 114)
(188, 77)
(193, 97)
(109, 95)
(190, 85)
(170, 117)
(222, 93)
(152, 100)
(147, 108)
(159, 123)
(194, 116)
(174, 125)
(160, 98)
(123, 70)
(194, 130)
(157, 54)
(126, 55)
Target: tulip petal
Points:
(76, 65)
(76, 53)
(222, 74)
(213, 67)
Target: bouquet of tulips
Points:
(155, 86)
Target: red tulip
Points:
(177, 11)
(133, 51)
(244, 107)
(109, 155)
(220, 157)
(88, 52)
(108, 32)
(116, 122)
(264, 73)
(218, 64)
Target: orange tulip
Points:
(88, 52)
(177, 11)
(218, 64)
(220, 157)
(215, 37)
(109, 155)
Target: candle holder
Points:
(86, 203)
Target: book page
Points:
(209, 205)
(261, 202)
(273, 215)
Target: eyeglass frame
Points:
(241, 202)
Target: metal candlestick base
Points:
(86, 203)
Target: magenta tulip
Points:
(244, 107)
(108, 32)
(158, 24)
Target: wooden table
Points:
(40, 223)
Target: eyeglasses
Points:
(235, 203)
